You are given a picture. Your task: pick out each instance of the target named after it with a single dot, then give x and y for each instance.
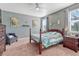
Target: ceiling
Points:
(29, 8)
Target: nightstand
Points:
(71, 42)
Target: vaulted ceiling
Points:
(30, 8)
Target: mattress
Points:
(49, 38)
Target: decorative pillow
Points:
(10, 36)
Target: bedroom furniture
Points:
(71, 42)
(2, 38)
(10, 38)
(44, 40)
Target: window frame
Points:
(69, 21)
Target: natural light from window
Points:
(74, 20)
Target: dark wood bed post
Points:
(30, 35)
(63, 30)
(40, 43)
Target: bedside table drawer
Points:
(69, 45)
(71, 42)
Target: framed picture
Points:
(14, 21)
(34, 23)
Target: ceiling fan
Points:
(37, 6)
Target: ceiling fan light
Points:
(37, 8)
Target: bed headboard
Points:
(57, 30)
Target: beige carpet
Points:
(24, 48)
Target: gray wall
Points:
(55, 18)
(20, 31)
(62, 16)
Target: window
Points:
(74, 20)
(44, 24)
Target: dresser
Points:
(2, 38)
(71, 43)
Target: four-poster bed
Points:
(47, 39)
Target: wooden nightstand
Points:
(71, 42)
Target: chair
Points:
(10, 38)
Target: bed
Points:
(46, 39)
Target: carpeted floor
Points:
(24, 48)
